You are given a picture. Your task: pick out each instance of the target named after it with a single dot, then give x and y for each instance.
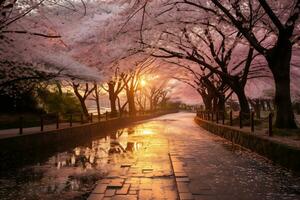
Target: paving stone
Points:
(118, 180)
(113, 175)
(168, 194)
(182, 187)
(124, 197)
(109, 192)
(125, 165)
(135, 185)
(180, 174)
(124, 189)
(132, 180)
(186, 196)
(105, 181)
(145, 194)
(208, 197)
(96, 197)
(132, 191)
(145, 186)
(115, 185)
(146, 180)
(184, 179)
(100, 188)
(147, 170)
(149, 175)
(157, 193)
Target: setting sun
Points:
(147, 132)
(143, 82)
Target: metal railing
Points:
(242, 117)
(68, 120)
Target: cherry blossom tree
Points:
(271, 29)
(114, 86)
(83, 91)
(131, 80)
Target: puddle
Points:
(70, 174)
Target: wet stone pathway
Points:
(179, 160)
(169, 157)
(145, 174)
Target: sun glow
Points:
(147, 132)
(143, 82)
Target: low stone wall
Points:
(43, 144)
(282, 154)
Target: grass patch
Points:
(10, 121)
(287, 132)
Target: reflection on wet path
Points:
(72, 174)
(137, 159)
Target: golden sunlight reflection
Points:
(69, 170)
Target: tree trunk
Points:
(284, 111)
(59, 88)
(207, 100)
(215, 104)
(112, 99)
(244, 106)
(263, 105)
(84, 108)
(256, 104)
(151, 103)
(279, 59)
(131, 103)
(269, 105)
(97, 100)
(221, 104)
(113, 106)
(82, 103)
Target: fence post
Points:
(42, 123)
(57, 121)
(241, 120)
(230, 118)
(91, 117)
(212, 116)
(252, 121)
(71, 120)
(217, 117)
(81, 118)
(21, 125)
(270, 124)
(223, 117)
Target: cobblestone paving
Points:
(179, 160)
(146, 173)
